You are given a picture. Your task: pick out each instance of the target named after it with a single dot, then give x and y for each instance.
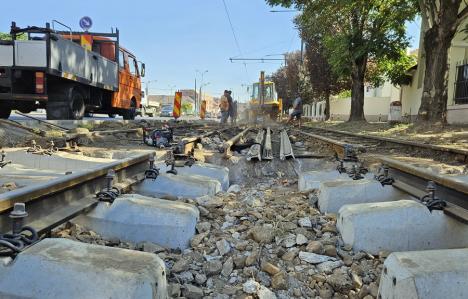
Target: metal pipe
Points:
(267, 153)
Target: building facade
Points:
(457, 104)
(376, 104)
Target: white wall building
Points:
(376, 104)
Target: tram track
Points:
(451, 192)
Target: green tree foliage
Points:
(356, 33)
(324, 82)
(187, 107)
(7, 36)
(287, 78)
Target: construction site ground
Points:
(262, 238)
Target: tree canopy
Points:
(355, 34)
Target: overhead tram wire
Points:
(235, 38)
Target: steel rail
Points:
(413, 180)
(255, 151)
(43, 121)
(338, 146)
(188, 143)
(267, 153)
(61, 199)
(229, 143)
(285, 146)
(433, 147)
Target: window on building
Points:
(461, 85)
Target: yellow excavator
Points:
(264, 101)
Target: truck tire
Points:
(130, 113)
(5, 111)
(67, 106)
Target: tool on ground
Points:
(153, 172)
(160, 138)
(21, 236)
(110, 193)
(430, 200)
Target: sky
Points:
(180, 39)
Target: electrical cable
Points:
(235, 37)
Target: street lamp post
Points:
(147, 86)
(172, 88)
(198, 99)
(201, 97)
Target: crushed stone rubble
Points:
(262, 241)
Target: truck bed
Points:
(66, 59)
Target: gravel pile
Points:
(266, 241)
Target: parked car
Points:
(166, 111)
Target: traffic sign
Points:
(86, 23)
(177, 105)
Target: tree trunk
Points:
(357, 89)
(437, 41)
(327, 105)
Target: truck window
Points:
(132, 64)
(121, 60)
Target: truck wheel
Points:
(5, 111)
(131, 112)
(69, 105)
(77, 105)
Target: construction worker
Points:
(297, 110)
(232, 112)
(224, 107)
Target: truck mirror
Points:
(142, 69)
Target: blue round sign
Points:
(86, 23)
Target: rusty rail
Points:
(228, 144)
(433, 147)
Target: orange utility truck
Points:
(68, 74)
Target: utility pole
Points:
(198, 102)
